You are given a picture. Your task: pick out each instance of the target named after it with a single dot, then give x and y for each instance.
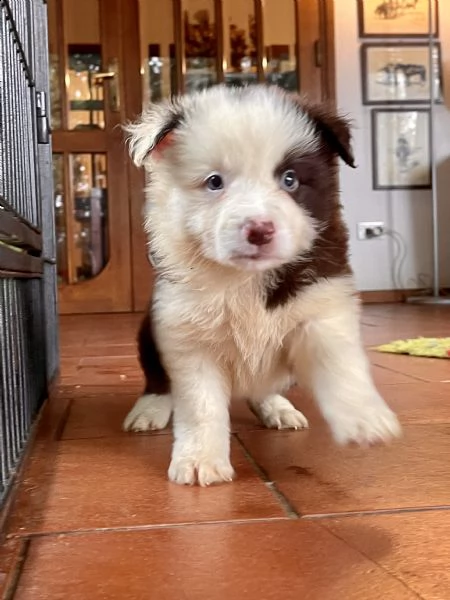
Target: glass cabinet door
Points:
(200, 37)
(280, 44)
(240, 43)
(189, 45)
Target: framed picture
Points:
(400, 73)
(401, 149)
(397, 18)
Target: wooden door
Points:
(87, 61)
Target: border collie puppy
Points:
(253, 289)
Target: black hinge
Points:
(43, 129)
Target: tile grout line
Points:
(164, 526)
(13, 585)
(140, 434)
(377, 512)
(142, 528)
(270, 485)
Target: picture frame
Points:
(399, 73)
(397, 18)
(401, 148)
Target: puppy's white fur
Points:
(216, 337)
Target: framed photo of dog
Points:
(397, 18)
(400, 73)
(401, 149)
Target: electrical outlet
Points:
(368, 230)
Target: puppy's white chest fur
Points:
(255, 335)
(233, 324)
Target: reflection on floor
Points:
(95, 517)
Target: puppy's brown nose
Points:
(260, 233)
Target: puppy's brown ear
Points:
(152, 130)
(335, 132)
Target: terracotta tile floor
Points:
(94, 516)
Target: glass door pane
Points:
(240, 43)
(200, 44)
(158, 69)
(90, 218)
(84, 59)
(280, 44)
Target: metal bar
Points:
(5, 405)
(5, 205)
(2, 106)
(8, 149)
(18, 370)
(12, 259)
(17, 233)
(18, 275)
(17, 40)
(7, 377)
(31, 116)
(49, 289)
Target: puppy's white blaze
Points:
(264, 121)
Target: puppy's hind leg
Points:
(150, 412)
(154, 408)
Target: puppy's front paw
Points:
(149, 413)
(276, 412)
(365, 424)
(205, 471)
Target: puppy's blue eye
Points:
(214, 182)
(289, 181)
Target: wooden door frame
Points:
(326, 10)
(142, 275)
(316, 59)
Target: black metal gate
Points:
(28, 318)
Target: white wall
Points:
(408, 213)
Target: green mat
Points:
(429, 347)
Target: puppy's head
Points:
(246, 175)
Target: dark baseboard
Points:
(387, 296)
